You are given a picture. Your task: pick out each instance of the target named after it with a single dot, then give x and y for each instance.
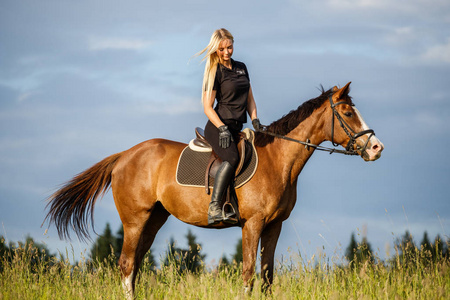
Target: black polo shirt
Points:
(232, 87)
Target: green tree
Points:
(358, 253)
(237, 257)
(119, 242)
(425, 245)
(224, 262)
(35, 254)
(439, 249)
(3, 247)
(352, 248)
(104, 246)
(194, 258)
(5, 253)
(406, 248)
(185, 259)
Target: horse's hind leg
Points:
(138, 238)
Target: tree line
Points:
(108, 246)
(406, 250)
(36, 254)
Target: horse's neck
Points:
(292, 156)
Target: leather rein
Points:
(349, 150)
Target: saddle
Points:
(201, 144)
(198, 166)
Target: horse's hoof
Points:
(248, 290)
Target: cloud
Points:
(438, 53)
(424, 7)
(108, 43)
(24, 96)
(431, 120)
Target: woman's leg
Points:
(230, 160)
(229, 154)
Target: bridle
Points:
(348, 130)
(349, 150)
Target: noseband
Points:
(349, 150)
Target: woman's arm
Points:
(251, 105)
(208, 103)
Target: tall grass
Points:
(24, 274)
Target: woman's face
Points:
(225, 51)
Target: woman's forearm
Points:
(251, 105)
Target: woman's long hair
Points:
(212, 59)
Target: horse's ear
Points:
(343, 91)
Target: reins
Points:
(347, 129)
(307, 144)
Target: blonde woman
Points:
(226, 82)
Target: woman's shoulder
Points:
(240, 64)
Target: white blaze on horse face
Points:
(374, 146)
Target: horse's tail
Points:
(71, 205)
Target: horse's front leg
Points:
(269, 239)
(251, 233)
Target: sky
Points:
(81, 80)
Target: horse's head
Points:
(348, 128)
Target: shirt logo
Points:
(240, 72)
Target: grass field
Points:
(26, 274)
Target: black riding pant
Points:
(231, 153)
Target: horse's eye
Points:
(348, 114)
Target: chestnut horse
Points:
(146, 193)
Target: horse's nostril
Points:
(375, 147)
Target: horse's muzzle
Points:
(372, 150)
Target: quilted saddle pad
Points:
(192, 167)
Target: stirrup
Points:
(230, 217)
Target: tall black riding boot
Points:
(221, 182)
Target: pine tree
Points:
(101, 250)
(438, 248)
(36, 252)
(173, 256)
(185, 259)
(358, 253)
(406, 248)
(352, 249)
(3, 247)
(119, 242)
(425, 245)
(366, 252)
(223, 262)
(237, 256)
(193, 258)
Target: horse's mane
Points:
(290, 121)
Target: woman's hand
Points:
(225, 137)
(256, 124)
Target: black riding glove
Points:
(225, 137)
(256, 124)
